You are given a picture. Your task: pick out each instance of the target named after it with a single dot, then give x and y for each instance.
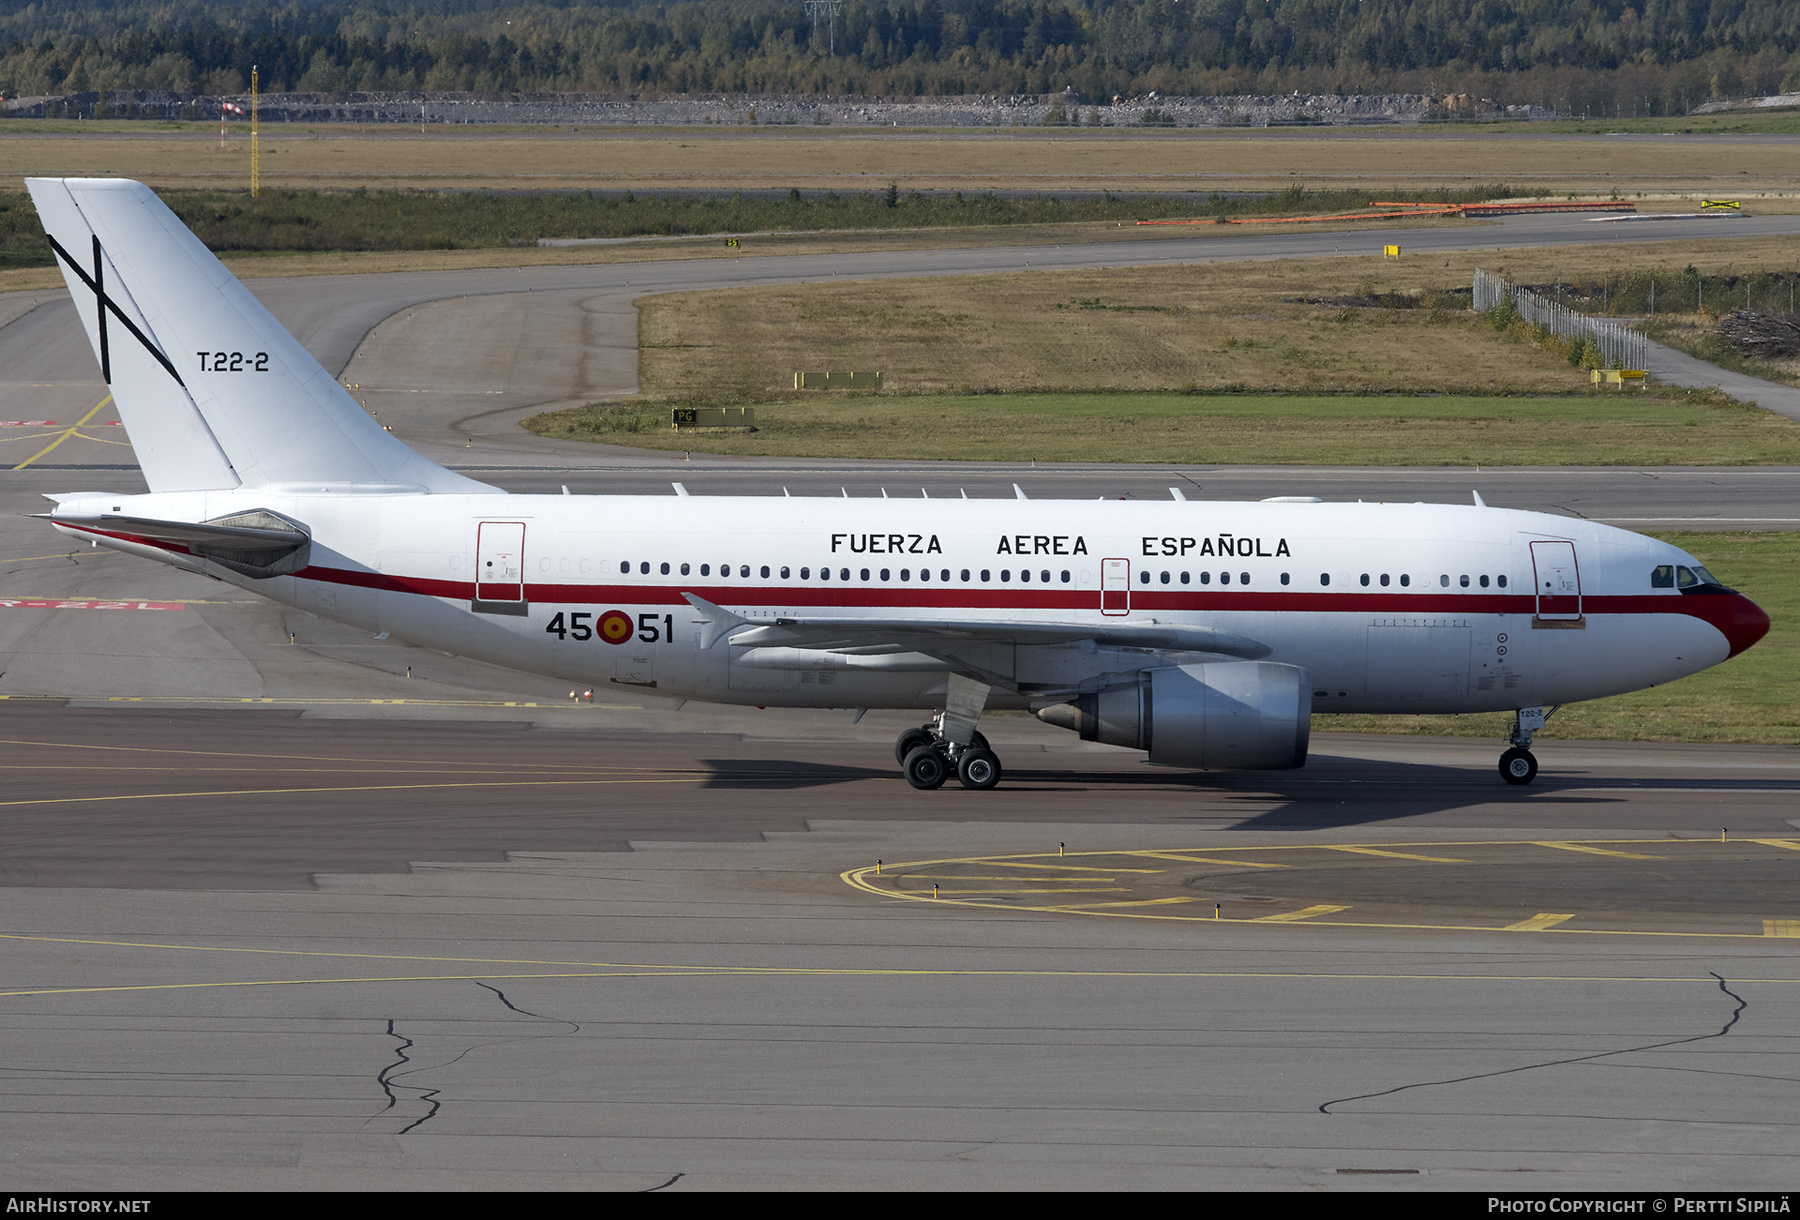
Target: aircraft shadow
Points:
(1330, 791)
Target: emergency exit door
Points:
(1558, 581)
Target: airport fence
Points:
(1619, 347)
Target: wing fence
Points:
(1619, 346)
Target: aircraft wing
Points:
(867, 635)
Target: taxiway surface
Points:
(288, 906)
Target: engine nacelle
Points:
(1220, 716)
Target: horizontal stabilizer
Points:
(257, 543)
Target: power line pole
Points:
(255, 141)
(830, 8)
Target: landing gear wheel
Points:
(1518, 766)
(978, 769)
(925, 768)
(909, 741)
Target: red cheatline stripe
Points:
(1716, 610)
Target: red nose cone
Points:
(1744, 623)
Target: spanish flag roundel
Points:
(614, 626)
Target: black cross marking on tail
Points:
(97, 282)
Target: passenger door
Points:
(1558, 581)
(1115, 586)
(499, 568)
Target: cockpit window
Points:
(1689, 580)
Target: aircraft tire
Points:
(978, 769)
(909, 741)
(1518, 766)
(925, 768)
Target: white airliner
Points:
(1203, 633)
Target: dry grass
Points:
(1153, 328)
(1747, 699)
(1055, 356)
(841, 159)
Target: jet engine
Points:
(1219, 716)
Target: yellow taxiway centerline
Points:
(65, 434)
(1537, 923)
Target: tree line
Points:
(1617, 57)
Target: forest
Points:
(1621, 57)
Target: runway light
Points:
(1721, 834)
(878, 868)
(1215, 910)
(1060, 849)
(934, 889)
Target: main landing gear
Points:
(950, 744)
(1517, 765)
(928, 760)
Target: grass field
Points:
(1376, 362)
(1029, 159)
(1291, 324)
(1257, 429)
(1747, 699)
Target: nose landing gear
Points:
(1517, 765)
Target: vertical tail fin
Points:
(213, 391)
